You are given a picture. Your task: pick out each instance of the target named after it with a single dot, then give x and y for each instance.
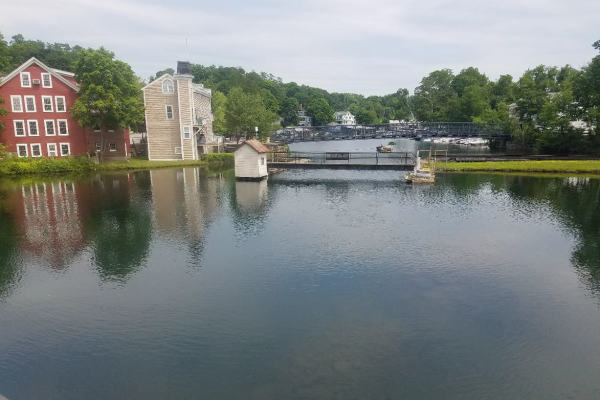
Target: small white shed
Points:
(251, 160)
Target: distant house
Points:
(303, 118)
(344, 118)
(251, 160)
(179, 118)
(38, 99)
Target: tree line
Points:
(549, 109)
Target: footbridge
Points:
(403, 161)
(410, 130)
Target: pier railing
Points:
(340, 157)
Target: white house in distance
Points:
(303, 118)
(344, 118)
(251, 160)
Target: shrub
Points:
(218, 158)
(22, 166)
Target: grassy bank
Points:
(546, 166)
(44, 166)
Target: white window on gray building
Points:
(186, 132)
(167, 86)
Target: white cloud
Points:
(369, 47)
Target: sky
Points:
(371, 47)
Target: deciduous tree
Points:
(321, 111)
(109, 94)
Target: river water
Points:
(185, 284)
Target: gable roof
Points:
(159, 79)
(52, 72)
(256, 145)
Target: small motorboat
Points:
(384, 149)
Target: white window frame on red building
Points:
(21, 146)
(60, 146)
(64, 104)
(58, 121)
(12, 103)
(44, 98)
(37, 127)
(28, 75)
(46, 74)
(39, 146)
(26, 105)
(53, 127)
(55, 151)
(24, 128)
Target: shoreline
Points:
(579, 167)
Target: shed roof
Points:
(256, 145)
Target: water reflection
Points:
(309, 285)
(110, 216)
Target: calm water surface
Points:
(183, 284)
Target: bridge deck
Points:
(400, 161)
(338, 166)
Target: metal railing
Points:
(338, 157)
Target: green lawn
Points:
(584, 166)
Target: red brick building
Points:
(38, 99)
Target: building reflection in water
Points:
(185, 201)
(250, 203)
(251, 196)
(113, 217)
(50, 218)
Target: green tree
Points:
(468, 77)
(289, 111)
(435, 97)
(160, 73)
(109, 94)
(586, 88)
(219, 104)
(321, 111)
(3, 111)
(365, 116)
(244, 112)
(5, 57)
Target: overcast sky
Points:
(360, 46)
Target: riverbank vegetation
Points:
(549, 109)
(13, 166)
(546, 166)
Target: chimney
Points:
(183, 68)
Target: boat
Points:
(384, 149)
